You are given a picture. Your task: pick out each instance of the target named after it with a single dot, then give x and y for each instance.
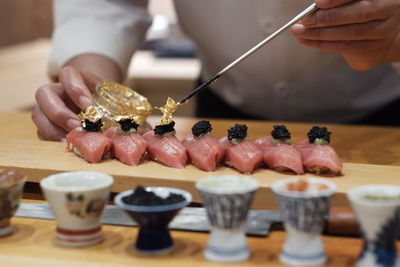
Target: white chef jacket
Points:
(282, 81)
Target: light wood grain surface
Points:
(354, 144)
(33, 244)
(39, 159)
(23, 70)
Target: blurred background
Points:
(165, 66)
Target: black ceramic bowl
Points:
(154, 236)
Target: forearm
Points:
(101, 66)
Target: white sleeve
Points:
(112, 28)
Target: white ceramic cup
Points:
(77, 200)
(377, 208)
(227, 199)
(304, 214)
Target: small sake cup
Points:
(154, 236)
(227, 199)
(304, 214)
(77, 201)
(11, 189)
(377, 208)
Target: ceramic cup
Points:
(154, 236)
(77, 200)
(377, 208)
(304, 214)
(227, 199)
(11, 188)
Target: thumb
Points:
(75, 87)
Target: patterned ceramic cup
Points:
(154, 237)
(11, 188)
(377, 208)
(304, 204)
(77, 200)
(227, 200)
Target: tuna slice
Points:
(319, 159)
(204, 152)
(244, 156)
(92, 146)
(129, 148)
(263, 143)
(280, 156)
(167, 150)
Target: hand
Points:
(365, 32)
(58, 103)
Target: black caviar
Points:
(92, 126)
(317, 132)
(280, 132)
(201, 128)
(142, 197)
(239, 132)
(163, 129)
(127, 125)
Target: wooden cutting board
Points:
(38, 159)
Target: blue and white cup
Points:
(304, 214)
(377, 208)
(227, 200)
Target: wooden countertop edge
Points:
(33, 243)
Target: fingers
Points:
(57, 103)
(375, 30)
(352, 51)
(91, 80)
(339, 47)
(51, 100)
(331, 3)
(46, 129)
(75, 87)
(355, 12)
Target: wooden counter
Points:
(33, 244)
(33, 241)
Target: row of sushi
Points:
(203, 150)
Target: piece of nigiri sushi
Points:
(129, 146)
(89, 142)
(241, 154)
(164, 147)
(204, 150)
(278, 153)
(316, 153)
(92, 146)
